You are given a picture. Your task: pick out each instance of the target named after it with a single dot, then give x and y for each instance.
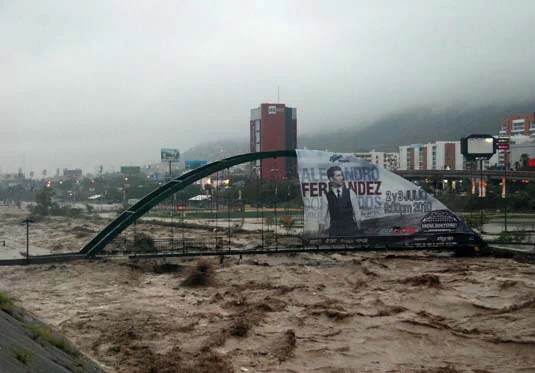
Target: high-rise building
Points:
(274, 127)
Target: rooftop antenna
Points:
(278, 95)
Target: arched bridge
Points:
(128, 217)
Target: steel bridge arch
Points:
(128, 217)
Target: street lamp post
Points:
(505, 190)
(27, 222)
(276, 170)
(125, 186)
(506, 161)
(481, 193)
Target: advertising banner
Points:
(348, 197)
(169, 155)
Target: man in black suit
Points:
(343, 214)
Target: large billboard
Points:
(348, 197)
(478, 146)
(169, 155)
(481, 145)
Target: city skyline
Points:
(525, 120)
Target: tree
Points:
(89, 208)
(524, 161)
(44, 200)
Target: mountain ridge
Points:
(412, 126)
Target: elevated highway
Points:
(466, 174)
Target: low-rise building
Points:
(387, 160)
(515, 142)
(520, 154)
(438, 155)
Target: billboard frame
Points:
(473, 156)
(169, 155)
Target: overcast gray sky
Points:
(84, 83)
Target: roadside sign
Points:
(502, 143)
(192, 164)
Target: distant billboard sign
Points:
(170, 155)
(130, 170)
(193, 164)
(72, 174)
(478, 146)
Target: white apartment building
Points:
(387, 160)
(438, 155)
(518, 127)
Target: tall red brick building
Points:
(274, 127)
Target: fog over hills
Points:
(96, 83)
(215, 150)
(416, 125)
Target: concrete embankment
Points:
(28, 345)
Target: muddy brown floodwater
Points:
(370, 312)
(302, 313)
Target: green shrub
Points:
(4, 299)
(514, 236)
(6, 304)
(65, 211)
(23, 356)
(476, 220)
(143, 242)
(199, 275)
(51, 337)
(44, 200)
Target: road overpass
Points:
(466, 174)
